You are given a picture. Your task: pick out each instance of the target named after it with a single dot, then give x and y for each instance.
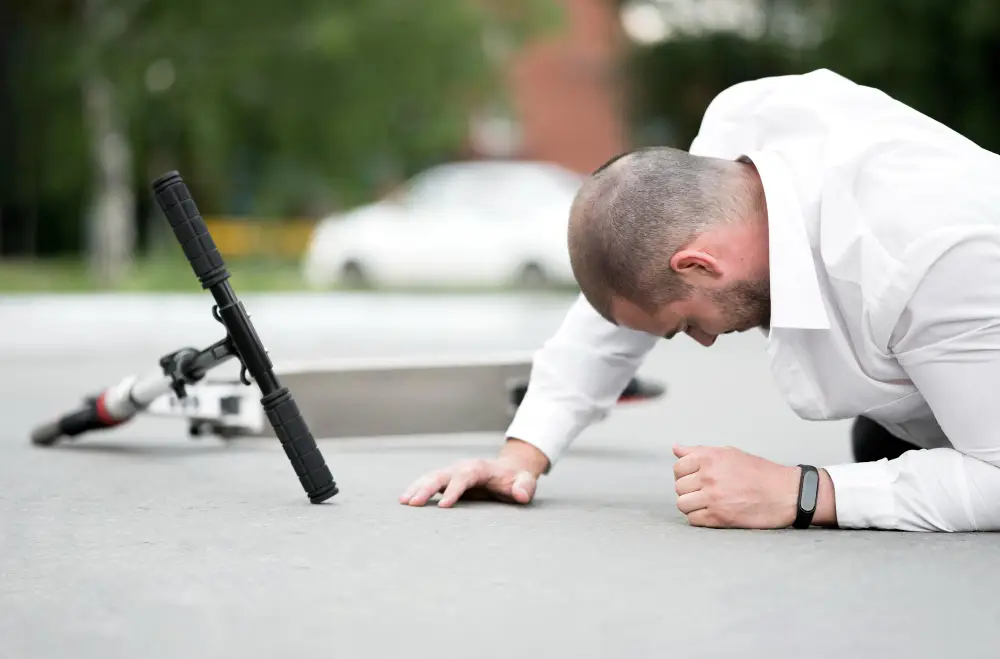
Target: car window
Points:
(489, 190)
(441, 186)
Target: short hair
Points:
(635, 211)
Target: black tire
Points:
(353, 275)
(532, 276)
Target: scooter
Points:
(340, 399)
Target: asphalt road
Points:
(145, 543)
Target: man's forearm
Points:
(576, 378)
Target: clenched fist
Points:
(724, 487)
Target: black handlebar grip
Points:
(175, 200)
(84, 419)
(299, 445)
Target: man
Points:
(861, 237)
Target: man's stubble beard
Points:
(745, 305)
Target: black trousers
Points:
(871, 442)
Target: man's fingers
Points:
(688, 484)
(520, 490)
(468, 479)
(523, 489)
(410, 491)
(460, 482)
(428, 487)
(685, 466)
(681, 451)
(689, 503)
(704, 517)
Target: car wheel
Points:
(532, 276)
(353, 275)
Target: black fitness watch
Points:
(808, 494)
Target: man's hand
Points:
(724, 487)
(511, 477)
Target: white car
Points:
(478, 223)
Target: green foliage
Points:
(675, 81)
(267, 108)
(942, 57)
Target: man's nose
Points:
(703, 338)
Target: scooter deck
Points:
(375, 397)
(367, 398)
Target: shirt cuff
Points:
(863, 495)
(548, 426)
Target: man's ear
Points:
(695, 262)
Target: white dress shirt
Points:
(884, 233)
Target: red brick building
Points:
(565, 93)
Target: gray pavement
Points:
(145, 543)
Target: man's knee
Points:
(871, 442)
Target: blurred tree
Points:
(674, 80)
(276, 108)
(941, 57)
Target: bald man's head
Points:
(637, 210)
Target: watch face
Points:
(810, 489)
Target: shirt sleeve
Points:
(576, 378)
(948, 342)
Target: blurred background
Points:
(387, 144)
(344, 152)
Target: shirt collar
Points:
(796, 300)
